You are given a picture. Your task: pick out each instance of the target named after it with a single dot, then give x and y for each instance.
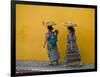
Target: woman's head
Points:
(50, 28)
(71, 29)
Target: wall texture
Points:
(30, 33)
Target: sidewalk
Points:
(35, 66)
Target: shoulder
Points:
(47, 34)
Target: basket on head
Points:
(69, 24)
(49, 23)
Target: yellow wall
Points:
(30, 34)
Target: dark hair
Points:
(56, 31)
(71, 29)
(50, 28)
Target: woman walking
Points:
(72, 57)
(51, 42)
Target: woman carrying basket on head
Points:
(51, 42)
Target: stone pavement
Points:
(43, 66)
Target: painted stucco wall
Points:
(30, 33)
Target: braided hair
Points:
(72, 30)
